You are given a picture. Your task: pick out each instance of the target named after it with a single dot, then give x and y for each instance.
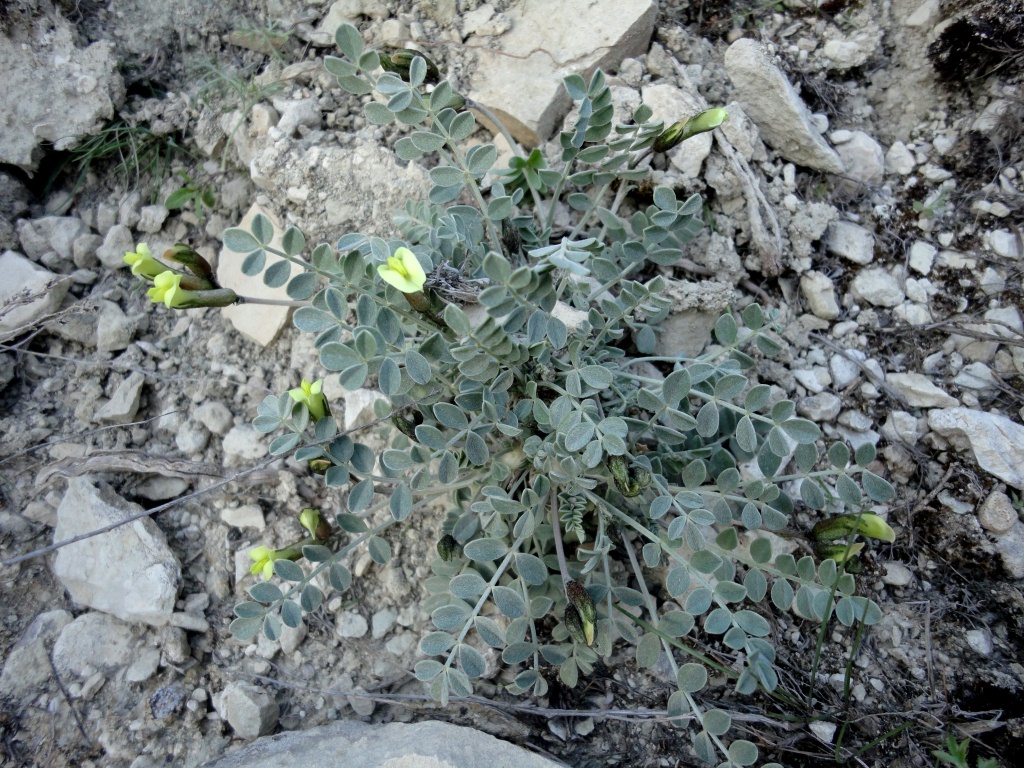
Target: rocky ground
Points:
(870, 189)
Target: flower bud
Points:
(320, 466)
(399, 60)
(679, 132)
(630, 481)
(574, 624)
(511, 240)
(581, 608)
(309, 519)
(841, 526)
(195, 264)
(841, 553)
(449, 548)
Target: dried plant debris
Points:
(984, 38)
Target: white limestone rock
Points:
(518, 76)
(257, 322)
(782, 118)
(128, 572)
(997, 442)
(919, 391)
(21, 280)
(851, 241)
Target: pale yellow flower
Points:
(311, 395)
(142, 262)
(403, 271)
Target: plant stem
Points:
(273, 302)
(556, 528)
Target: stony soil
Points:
(899, 281)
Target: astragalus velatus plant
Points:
(596, 493)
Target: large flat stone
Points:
(128, 572)
(997, 442)
(352, 744)
(520, 80)
(257, 322)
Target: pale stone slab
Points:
(257, 322)
(521, 81)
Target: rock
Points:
(851, 241)
(976, 376)
(814, 380)
(899, 159)
(245, 516)
(114, 330)
(919, 392)
(382, 622)
(215, 416)
(124, 403)
(864, 160)
(116, 244)
(129, 571)
(845, 54)
(83, 251)
(820, 293)
(401, 644)
(358, 186)
(28, 293)
(671, 104)
(95, 640)
(996, 514)
(997, 442)
(174, 643)
(845, 371)
(820, 408)
(897, 574)
(53, 91)
(1010, 546)
(27, 665)
(152, 218)
(243, 445)
(147, 660)
(51, 233)
(876, 286)
(259, 323)
(157, 488)
(922, 255)
(519, 75)
(1005, 243)
(291, 638)
(979, 641)
(350, 624)
(79, 327)
(251, 711)
(192, 438)
(781, 116)
(189, 622)
(353, 744)
(296, 112)
(359, 407)
(903, 427)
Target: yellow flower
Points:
(142, 262)
(264, 558)
(167, 288)
(312, 397)
(403, 271)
